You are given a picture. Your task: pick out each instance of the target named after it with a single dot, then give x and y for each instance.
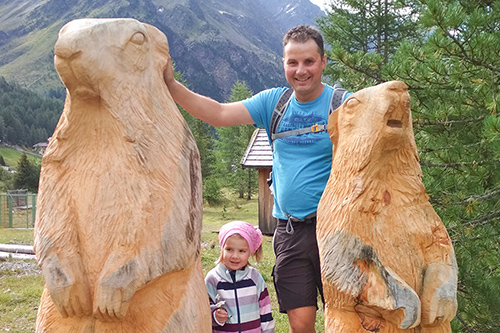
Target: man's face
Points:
(303, 68)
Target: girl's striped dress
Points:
(246, 300)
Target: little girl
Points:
(238, 294)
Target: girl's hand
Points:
(221, 315)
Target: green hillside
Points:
(12, 156)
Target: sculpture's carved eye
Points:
(352, 102)
(138, 38)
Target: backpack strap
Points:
(338, 97)
(279, 110)
(314, 129)
(336, 101)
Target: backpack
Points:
(337, 99)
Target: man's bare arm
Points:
(205, 108)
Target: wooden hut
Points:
(259, 155)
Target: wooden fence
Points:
(17, 209)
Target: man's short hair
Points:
(302, 33)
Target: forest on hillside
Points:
(26, 118)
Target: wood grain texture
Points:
(387, 261)
(118, 227)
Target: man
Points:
(301, 165)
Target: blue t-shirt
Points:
(301, 163)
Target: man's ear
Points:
(333, 128)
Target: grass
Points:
(19, 295)
(16, 236)
(12, 157)
(19, 299)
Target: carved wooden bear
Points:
(118, 226)
(387, 261)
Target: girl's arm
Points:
(266, 317)
(219, 314)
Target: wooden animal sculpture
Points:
(387, 261)
(118, 227)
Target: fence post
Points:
(10, 206)
(27, 215)
(11, 202)
(33, 208)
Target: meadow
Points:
(12, 156)
(20, 293)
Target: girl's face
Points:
(235, 253)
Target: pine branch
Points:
(468, 199)
(463, 52)
(479, 238)
(449, 122)
(478, 222)
(465, 325)
(377, 78)
(451, 165)
(430, 150)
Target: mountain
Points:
(214, 43)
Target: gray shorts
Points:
(296, 274)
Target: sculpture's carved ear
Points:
(333, 128)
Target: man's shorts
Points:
(296, 274)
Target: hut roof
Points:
(258, 153)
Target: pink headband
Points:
(252, 234)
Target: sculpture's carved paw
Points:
(386, 296)
(444, 309)
(111, 305)
(354, 268)
(439, 297)
(114, 293)
(70, 296)
(404, 298)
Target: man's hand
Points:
(168, 72)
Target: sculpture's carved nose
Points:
(71, 37)
(398, 86)
(66, 47)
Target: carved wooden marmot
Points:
(387, 261)
(118, 227)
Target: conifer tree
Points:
(203, 135)
(6, 180)
(27, 175)
(363, 35)
(452, 67)
(231, 145)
